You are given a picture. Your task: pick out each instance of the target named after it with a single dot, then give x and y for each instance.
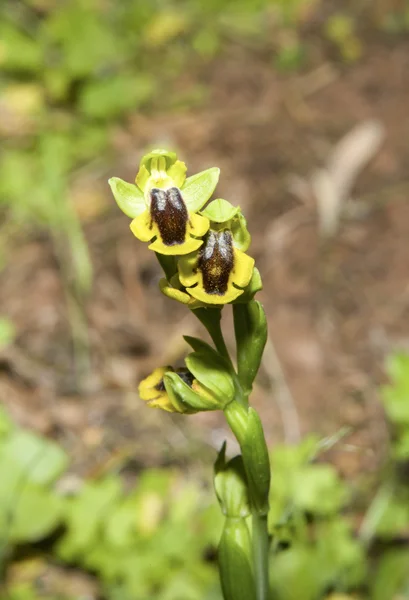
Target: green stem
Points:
(260, 556)
(211, 319)
(238, 419)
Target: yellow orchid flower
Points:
(177, 391)
(218, 272)
(174, 290)
(164, 203)
(168, 221)
(153, 391)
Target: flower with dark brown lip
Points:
(163, 203)
(176, 231)
(218, 271)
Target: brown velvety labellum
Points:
(216, 261)
(168, 210)
(185, 376)
(160, 386)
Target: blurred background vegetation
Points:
(99, 499)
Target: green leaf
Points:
(35, 513)
(198, 188)
(401, 446)
(86, 514)
(256, 462)
(35, 459)
(19, 52)
(212, 371)
(220, 211)
(230, 484)
(394, 516)
(86, 42)
(250, 327)
(109, 98)
(120, 526)
(391, 578)
(317, 489)
(397, 367)
(6, 424)
(235, 561)
(129, 197)
(197, 344)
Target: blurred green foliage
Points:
(158, 539)
(72, 69)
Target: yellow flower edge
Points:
(156, 398)
(169, 290)
(145, 230)
(240, 277)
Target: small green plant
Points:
(157, 539)
(340, 29)
(202, 250)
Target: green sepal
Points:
(257, 463)
(251, 289)
(235, 561)
(170, 158)
(220, 211)
(199, 345)
(184, 398)
(250, 327)
(240, 233)
(213, 372)
(231, 486)
(128, 196)
(198, 188)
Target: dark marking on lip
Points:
(168, 210)
(185, 376)
(160, 386)
(216, 262)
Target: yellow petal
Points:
(162, 402)
(190, 245)
(174, 293)
(243, 269)
(147, 387)
(198, 225)
(143, 228)
(199, 293)
(187, 270)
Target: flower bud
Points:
(231, 486)
(246, 426)
(235, 561)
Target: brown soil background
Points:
(334, 310)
